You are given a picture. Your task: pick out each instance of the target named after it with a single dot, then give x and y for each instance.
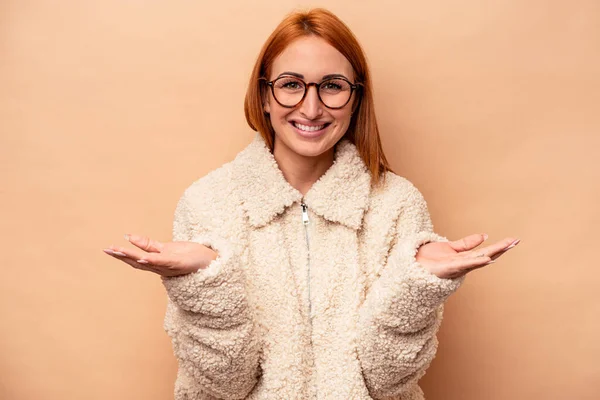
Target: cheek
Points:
(278, 113)
(342, 117)
(278, 116)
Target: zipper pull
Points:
(304, 214)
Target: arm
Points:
(402, 312)
(208, 318)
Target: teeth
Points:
(307, 128)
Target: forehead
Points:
(312, 57)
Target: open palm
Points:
(453, 259)
(166, 259)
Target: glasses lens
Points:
(335, 92)
(288, 91)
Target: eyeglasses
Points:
(334, 93)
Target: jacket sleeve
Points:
(402, 311)
(209, 320)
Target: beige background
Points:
(109, 109)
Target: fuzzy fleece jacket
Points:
(324, 301)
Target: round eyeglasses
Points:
(334, 93)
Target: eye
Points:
(334, 86)
(289, 84)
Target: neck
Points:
(301, 171)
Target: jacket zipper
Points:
(305, 222)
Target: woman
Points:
(305, 268)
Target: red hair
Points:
(363, 131)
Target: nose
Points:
(311, 106)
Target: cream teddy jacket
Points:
(310, 297)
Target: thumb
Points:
(145, 243)
(468, 242)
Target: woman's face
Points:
(309, 129)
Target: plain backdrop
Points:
(110, 109)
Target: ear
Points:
(264, 95)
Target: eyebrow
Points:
(330, 76)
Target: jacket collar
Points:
(340, 195)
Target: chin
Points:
(310, 147)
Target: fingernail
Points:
(491, 262)
(142, 261)
(114, 253)
(485, 236)
(127, 237)
(516, 242)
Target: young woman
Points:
(305, 268)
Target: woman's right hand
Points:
(166, 259)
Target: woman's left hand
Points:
(449, 260)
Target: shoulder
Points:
(219, 185)
(397, 192)
(210, 188)
(213, 199)
(400, 202)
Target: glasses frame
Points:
(353, 87)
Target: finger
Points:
(496, 249)
(146, 267)
(143, 264)
(462, 266)
(468, 263)
(468, 242)
(498, 254)
(145, 243)
(156, 259)
(134, 254)
(111, 252)
(135, 264)
(477, 267)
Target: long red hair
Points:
(363, 131)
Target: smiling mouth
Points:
(310, 128)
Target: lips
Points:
(309, 128)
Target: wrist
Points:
(210, 256)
